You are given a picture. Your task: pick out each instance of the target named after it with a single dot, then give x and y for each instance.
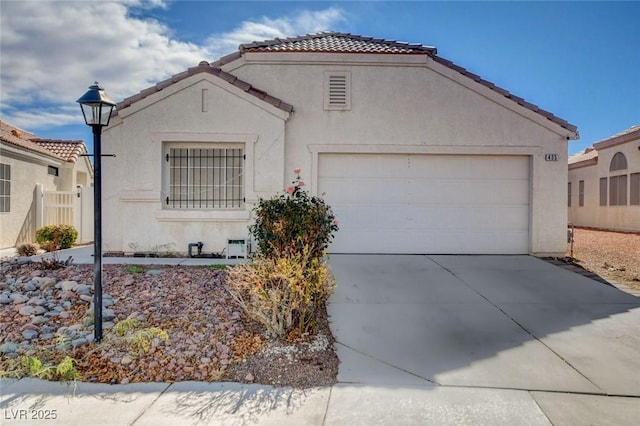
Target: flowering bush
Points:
(289, 222)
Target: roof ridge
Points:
(401, 47)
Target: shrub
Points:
(284, 293)
(56, 237)
(286, 223)
(27, 249)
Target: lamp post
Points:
(96, 109)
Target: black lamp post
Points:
(96, 108)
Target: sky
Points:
(578, 60)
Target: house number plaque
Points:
(551, 157)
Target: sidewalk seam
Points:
(150, 405)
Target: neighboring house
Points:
(41, 183)
(414, 153)
(604, 183)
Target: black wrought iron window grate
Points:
(201, 178)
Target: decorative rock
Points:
(8, 347)
(67, 285)
(108, 315)
(18, 298)
(26, 310)
(5, 299)
(67, 295)
(46, 283)
(29, 334)
(36, 273)
(47, 336)
(83, 289)
(38, 310)
(249, 378)
(29, 287)
(38, 301)
(64, 314)
(79, 342)
(38, 320)
(86, 298)
(126, 360)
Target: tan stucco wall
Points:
(134, 216)
(421, 107)
(27, 171)
(622, 218)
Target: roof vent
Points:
(16, 133)
(203, 64)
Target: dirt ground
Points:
(611, 255)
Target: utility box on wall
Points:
(236, 248)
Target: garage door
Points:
(388, 203)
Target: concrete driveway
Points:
(486, 322)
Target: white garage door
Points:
(388, 203)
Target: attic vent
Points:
(337, 90)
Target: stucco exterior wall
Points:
(399, 103)
(19, 225)
(135, 218)
(420, 107)
(621, 218)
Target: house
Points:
(414, 153)
(604, 183)
(42, 182)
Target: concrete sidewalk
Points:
(441, 340)
(31, 401)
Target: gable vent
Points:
(337, 90)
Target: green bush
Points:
(289, 222)
(56, 237)
(283, 293)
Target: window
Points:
(634, 194)
(603, 191)
(5, 188)
(337, 86)
(581, 193)
(205, 178)
(53, 171)
(618, 162)
(618, 184)
(618, 190)
(569, 195)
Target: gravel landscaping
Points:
(615, 256)
(48, 313)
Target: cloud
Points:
(52, 51)
(268, 28)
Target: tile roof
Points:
(68, 150)
(59, 149)
(205, 67)
(336, 42)
(585, 155)
(630, 134)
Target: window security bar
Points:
(205, 178)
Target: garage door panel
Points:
(427, 203)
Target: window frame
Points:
(581, 193)
(634, 189)
(5, 188)
(208, 168)
(569, 195)
(604, 193)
